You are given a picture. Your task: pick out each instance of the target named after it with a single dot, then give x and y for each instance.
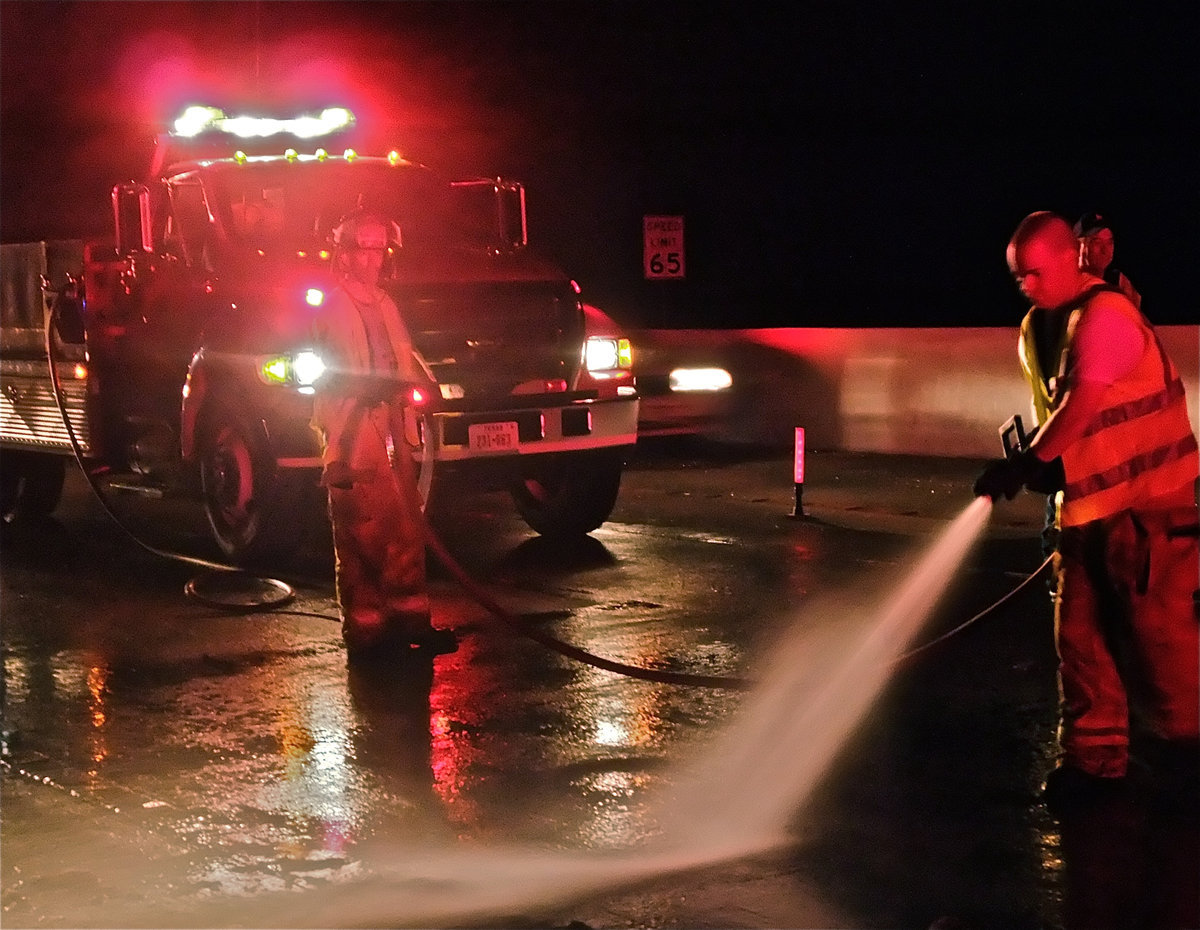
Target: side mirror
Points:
(510, 204)
(131, 212)
(494, 212)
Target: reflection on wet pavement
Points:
(164, 761)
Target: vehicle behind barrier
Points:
(182, 357)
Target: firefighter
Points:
(1128, 561)
(1096, 245)
(358, 414)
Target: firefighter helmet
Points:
(346, 234)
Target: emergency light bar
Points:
(200, 119)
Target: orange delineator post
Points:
(798, 473)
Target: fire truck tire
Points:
(243, 497)
(31, 484)
(569, 495)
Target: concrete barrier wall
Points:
(916, 391)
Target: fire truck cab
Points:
(182, 357)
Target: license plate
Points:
(492, 437)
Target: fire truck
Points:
(173, 355)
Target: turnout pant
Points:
(1127, 633)
(378, 542)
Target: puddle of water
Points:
(734, 799)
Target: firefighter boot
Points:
(436, 642)
(1069, 789)
(368, 637)
(394, 640)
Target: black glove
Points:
(1050, 480)
(1005, 477)
(338, 475)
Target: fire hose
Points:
(408, 491)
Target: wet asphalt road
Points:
(171, 764)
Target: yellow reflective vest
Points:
(1139, 447)
(341, 336)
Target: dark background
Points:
(835, 163)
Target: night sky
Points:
(835, 163)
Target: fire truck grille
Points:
(29, 416)
(490, 340)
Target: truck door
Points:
(158, 318)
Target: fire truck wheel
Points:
(31, 485)
(237, 479)
(562, 497)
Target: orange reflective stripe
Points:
(1140, 407)
(1082, 733)
(1131, 468)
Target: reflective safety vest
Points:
(1138, 447)
(342, 337)
(1042, 383)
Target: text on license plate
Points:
(492, 437)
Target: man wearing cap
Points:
(1096, 247)
(358, 414)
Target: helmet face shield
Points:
(371, 236)
(360, 228)
(362, 244)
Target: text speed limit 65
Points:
(662, 247)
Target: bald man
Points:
(1112, 410)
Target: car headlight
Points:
(301, 369)
(700, 379)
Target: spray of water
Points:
(733, 800)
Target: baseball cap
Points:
(1091, 223)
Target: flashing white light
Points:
(314, 297)
(198, 119)
(700, 379)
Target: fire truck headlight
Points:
(307, 367)
(302, 369)
(602, 353)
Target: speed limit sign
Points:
(662, 254)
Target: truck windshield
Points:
(297, 205)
